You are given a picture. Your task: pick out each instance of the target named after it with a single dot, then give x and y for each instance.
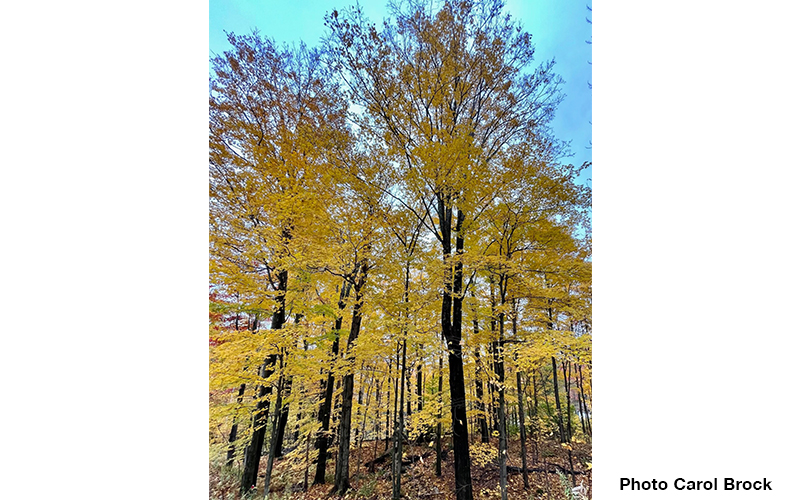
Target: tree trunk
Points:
(439, 422)
(308, 465)
(493, 329)
(323, 437)
(397, 461)
(500, 372)
(302, 397)
(569, 407)
(275, 438)
(284, 417)
(521, 417)
(484, 429)
(535, 417)
(253, 452)
(396, 399)
(547, 406)
(337, 410)
(388, 409)
(560, 419)
(419, 379)
(558, 402)
(514, 419)
(482, 425)
(502, 450)
(408, 400)
(523, 450)
(342, 476)
(580, 402)
(586, 408)
(451, 331)
(234, 427)
(360, 399)
(364, 422)
(377, 426)
(492, 412)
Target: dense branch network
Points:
(368, 198)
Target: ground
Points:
(419, 481)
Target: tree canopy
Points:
(381, 204)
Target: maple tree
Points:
(270, 111)
(364, 197)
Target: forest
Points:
(400, 265)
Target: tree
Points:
(349, 228)
(273, 112)
(447, 92)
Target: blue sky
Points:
(558, 27)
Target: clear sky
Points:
(558, 27)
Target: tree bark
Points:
(377, 426)
(523, 450)
(234, 428)
(398, 433)
(253, 451)
(323, 437)
(580, 402)
(521, 408)
(535, 418)
(342, 476)
(499, 368)
(586, 408)
(484, 428)
(547, 406)
(419, 379)
(388, 407)
(275, 438)
(360, 400)
(502, 450)
(364, 422)
(439, 422)
(569, 407)
(451, 331)
(408, 400)
(482, 425)
(399, 423)
(308, 465)
(284, 411)
(558, 402)
(560, 418)
(492, 348)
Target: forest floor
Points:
(548, 482)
